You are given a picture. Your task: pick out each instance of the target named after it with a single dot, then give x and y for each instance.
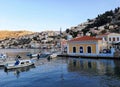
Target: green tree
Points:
(103, 31)
(67, 30)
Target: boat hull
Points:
(18, 66)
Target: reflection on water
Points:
(105, 72)
(19, 70)
(95, 67)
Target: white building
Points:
(110, 38)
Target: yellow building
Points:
(85, 45)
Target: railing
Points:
(94, 55)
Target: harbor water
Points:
(62, 72)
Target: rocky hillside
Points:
(13, 34)
(103, 23)
(24, 39)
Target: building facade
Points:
(111, 39)
(85, 45)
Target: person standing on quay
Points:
(38, 55)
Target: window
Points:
(109, 39)
(81, 49)
(89, 49)
(22, 62)
(117, 38)
(74, 49)
(27, 61)
(113, 38)
(105, 38)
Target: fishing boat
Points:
(19, 64)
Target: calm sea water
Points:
(64, 72)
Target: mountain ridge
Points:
(13, 34)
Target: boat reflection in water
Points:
(95, 67)
(19, 70)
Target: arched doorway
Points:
(89, 50)
(74, 49)
(81, 49)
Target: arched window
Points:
(113, 38)
(89, 49)
(74, 49)
(109, 39)
(81, 49)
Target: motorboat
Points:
(19, 64)
(32, 55)
(53, 55)
(44, 55)
(3, 56)
(2, 59)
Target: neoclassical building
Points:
(85, 45)
(112, 39)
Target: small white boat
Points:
(54, 55)
(3, 56)
(34, 55)
(19, 64)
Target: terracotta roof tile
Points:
(85, 38)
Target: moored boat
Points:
(3, 56)
(19, 64)
(32, 55)
(54, 55)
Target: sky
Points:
(41, 15)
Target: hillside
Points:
(13, 34)
(103, 23)
(27, 39)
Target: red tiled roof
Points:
(86, 38)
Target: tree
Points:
(89, 20)
(103, 31)
(106, 27)
(34, 38)
(92, 34)
(74, 34)
(116, 10)
(67, 30)
(85, 30)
